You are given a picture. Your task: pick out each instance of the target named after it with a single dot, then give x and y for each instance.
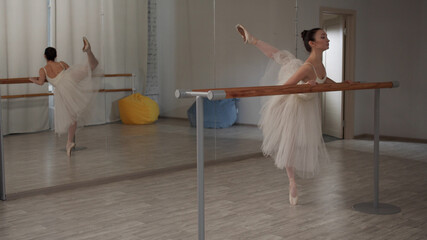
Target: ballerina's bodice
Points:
(309, 96)
(318, 80)
(54, 81)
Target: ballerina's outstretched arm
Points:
(264, 47)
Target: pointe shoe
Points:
(247, 37)
(86, 45)
(69, 147)
(292, 200)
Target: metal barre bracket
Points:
(211, 95)
(396, 84)
(216, 94)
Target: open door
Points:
(333, 59)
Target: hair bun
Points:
(304, 33)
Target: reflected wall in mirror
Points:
(168, 45)
(165, 44)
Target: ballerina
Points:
(75, 88)
(291, 124)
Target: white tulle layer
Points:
(291, 125)
(75, 90)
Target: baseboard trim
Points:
(390, 138)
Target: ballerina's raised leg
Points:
(93, 62)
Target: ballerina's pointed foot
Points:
(247, 37)
(293, 197)
(86, 45)
(69, 147)
(293, 200)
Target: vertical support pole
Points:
(376, 146)
(2, 170)
(200, 167)
(375, 207)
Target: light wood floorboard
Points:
(244, 200)
(116, 151)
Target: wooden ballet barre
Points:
(26, 95)
(15, 80)
(116, 90)
(50, 94)
(241, 92)
(119, 75)
(27, 80)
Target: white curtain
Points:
(75, 19)
(125, 43)
(117, 31)
(23, 38)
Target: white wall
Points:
(392, 48)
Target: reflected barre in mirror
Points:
(241, 92)
(26, 80)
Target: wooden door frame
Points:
(349, 63)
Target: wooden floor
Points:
(246, 198)
(116, 151)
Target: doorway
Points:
(333, 59)
(338, 107)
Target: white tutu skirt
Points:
(75, 91)
(292, 127)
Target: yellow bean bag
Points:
(138, 109)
